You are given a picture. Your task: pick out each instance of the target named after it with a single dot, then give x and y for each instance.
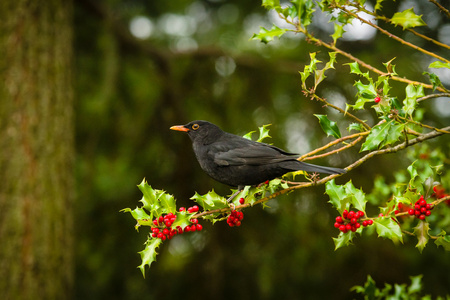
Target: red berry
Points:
(154, 235)
(194, 221)
(337, 224)
(427, 213)
(353, 221)
(267, 182)
(242, 201)
(165, 231)
(428, 206)
(155, 222)
(423, 203)
(364, 223)
(180, 230)
(339, 219)
(342, 228)
(193, 228)
(411, 212)
(182, 209)
(351, 215)
(370, 222)
(377, 99)
(417, 212)
(345, 214)
(187, 229)
(422, 217)
(357, 225)
(199, 227)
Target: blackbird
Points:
(237, 161)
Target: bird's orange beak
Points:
(179, 128)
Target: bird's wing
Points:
(250, 154)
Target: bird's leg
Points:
(240, 188)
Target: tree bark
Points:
(37, 149)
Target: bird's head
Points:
(200, 131)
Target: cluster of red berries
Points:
(349, 221)
(235, 218)
(421, 210)
(439, 192)
(163, 225)
(192, 209)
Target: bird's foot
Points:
(233, 196)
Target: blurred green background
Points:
(143, 66)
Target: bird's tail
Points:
(299, 165)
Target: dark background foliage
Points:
(129, 91)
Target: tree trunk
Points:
(36, 149)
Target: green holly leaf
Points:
(378, 5)
(319, 74)
(412, 93)
(343, 239)
(338, 196)
(390, 68)
(388, 228)
(148, 255)
(329, 127)
(210, 201)
(394, 133)
(308, 69)
(267, 36)
(354, 68)
(150, 196)
(366, 91)
(156, 201)
(263, 133)
(182, 219)
(412, 173)
(248, 136)
(355, 126)
(369, 289)
(271, 4)
(338, 32)
(357, 196)
(421, 232)
(443, 240)
(439, 64)
(305, 9)
(416, 284)
(167, 203)
(434, 79)
(407, 19)
(376, 136)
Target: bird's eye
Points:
(195, 126)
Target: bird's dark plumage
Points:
(237, 161)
